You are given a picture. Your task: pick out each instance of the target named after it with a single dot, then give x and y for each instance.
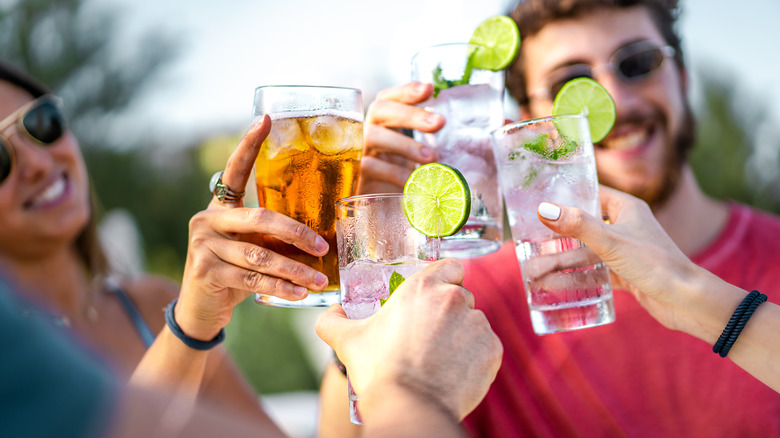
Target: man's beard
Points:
(657, 195)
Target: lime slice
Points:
(499, 40)
(586, 95)
(438, 200)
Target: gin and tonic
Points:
(471, 100)
(551, 159)
(377, 249)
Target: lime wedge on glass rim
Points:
(585, 95)
(499, 40)
(437, 200)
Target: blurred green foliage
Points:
(736, 141)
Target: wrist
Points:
(380, 410)
(188, 340)
(191, 324)
(706, 305)
(379, 398)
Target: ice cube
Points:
(332, 135)
(365, 285)
(285, 138)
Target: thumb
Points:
(332, 324)
(574, 222)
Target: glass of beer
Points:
(309, 161)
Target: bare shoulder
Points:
(151, 294)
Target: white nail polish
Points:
(549, 211)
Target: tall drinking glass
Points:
(376, 243)
(551, 159)
(308, 162)
(472, 109)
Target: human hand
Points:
(223, 267)
(634, 246)
(427, 340)
(389, 156)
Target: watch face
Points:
(214, 180)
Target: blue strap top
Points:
(132, 311)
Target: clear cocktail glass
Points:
(309, 161)
(472, 109)
(551, 159)
(376, 244)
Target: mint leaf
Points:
(439, 83)
(564, 150)
(538, 145)
(395, 280)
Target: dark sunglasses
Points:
(629, 63)
(41, 121)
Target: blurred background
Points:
(159, 93)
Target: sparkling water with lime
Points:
(472, 110)
(364, 285)
(566, 284)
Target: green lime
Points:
(437, 200)
(584, 95)
(499, 40)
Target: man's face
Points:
(639, 155)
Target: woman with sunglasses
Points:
(49, 246)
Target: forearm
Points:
(399, 412)
(710, 306)
(168, 363)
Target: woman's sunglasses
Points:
(41, 121)
(630, 63)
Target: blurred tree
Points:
(75, 50)
(734, 157)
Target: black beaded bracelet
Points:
(188, 341)
(737, 322)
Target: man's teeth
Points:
(50, 194)
(629, 141)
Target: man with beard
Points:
(633, 377)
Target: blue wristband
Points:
(188, 341)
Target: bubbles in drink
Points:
(308, 162)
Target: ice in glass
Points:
(472, 109)
(551, 159)
(376, 243)
(309, 161)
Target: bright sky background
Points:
(233, 46)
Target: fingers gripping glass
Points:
(629, 63)
(40, 121)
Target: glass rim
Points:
(309, 87)
(369, 196)
(441, 46)
(511, 127)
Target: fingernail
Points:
(426, 153)
(320, 280)
(432, 119)
(421, 88)
(301, 291)
(321, 245)
(549, 211)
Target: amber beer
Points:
(308, 162)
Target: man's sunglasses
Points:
(630, 63)
(41, 121)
